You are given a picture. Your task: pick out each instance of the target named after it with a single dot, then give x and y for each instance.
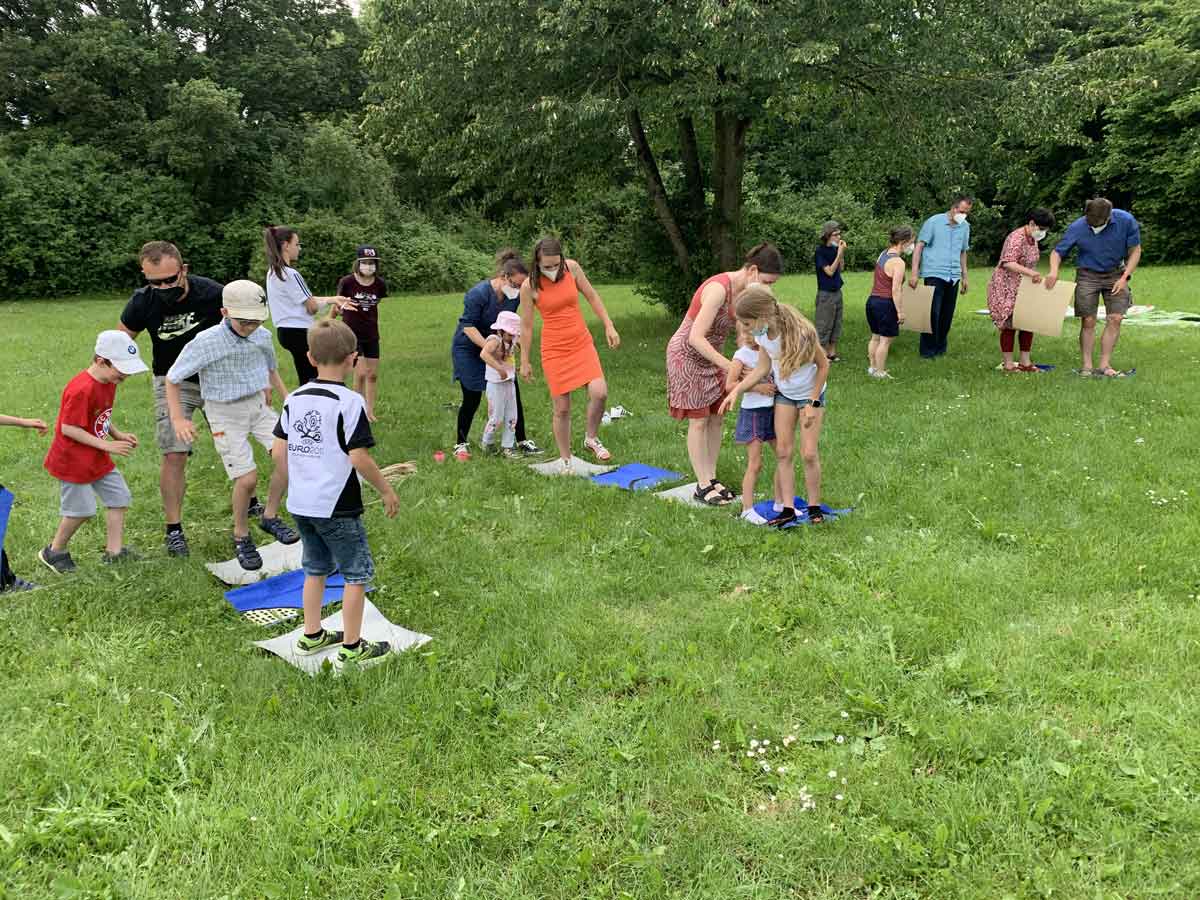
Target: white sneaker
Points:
(882, 376)
(752, 517)
(871, 371)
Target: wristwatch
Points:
(816, 404)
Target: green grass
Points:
(1005, 632)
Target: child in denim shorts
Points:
(323, 440)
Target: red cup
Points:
(439, 456)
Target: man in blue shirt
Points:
(941, 259)
(1110, 247)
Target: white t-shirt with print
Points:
(748, 357)
(798, 385)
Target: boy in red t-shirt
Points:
(79, 454)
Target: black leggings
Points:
(295, 342)
(470, 405)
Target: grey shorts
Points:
(1091, 285)
(164, 431)
(79, 500)
(828, 317)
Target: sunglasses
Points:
(159, 282)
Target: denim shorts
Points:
(332, 545)
(788, 401)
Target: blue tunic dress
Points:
(480, 311)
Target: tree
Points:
(475, 91)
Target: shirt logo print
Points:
(175, 326)
(309, 428)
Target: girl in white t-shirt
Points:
(500, 377)
(756, 421)
(788, 348)
(293, 305)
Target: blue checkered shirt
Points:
(231, 367)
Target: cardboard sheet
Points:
(686, 493)
(1042, 311)
(918, 304)
(277, 558)
(579, 467)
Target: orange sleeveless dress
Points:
(569, 358)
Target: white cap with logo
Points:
(245, 300)
(120, 350)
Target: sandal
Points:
(710, 496)
(1028, 368)
(815, 515)
(725, 492)
(1008, 370)
(1110, 372)
(1084, 373)
(598, 449)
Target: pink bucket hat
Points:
(508, 321)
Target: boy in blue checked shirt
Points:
(238, 371)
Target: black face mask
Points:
(167, 295)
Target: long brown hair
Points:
(509, 263)
(274, 237)
(798, 343)
(548, 246)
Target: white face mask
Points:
(510, 292)
(366, 270)
(908, 249)
(552, 274)
(1096, 229)
(959, 218)
(1039, 234)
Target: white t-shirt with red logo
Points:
(87, 404)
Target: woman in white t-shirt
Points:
(293, 305)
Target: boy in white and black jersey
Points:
(323, 438)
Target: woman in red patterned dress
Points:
(1018, 259)
(696, 365)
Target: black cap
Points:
(366, 251)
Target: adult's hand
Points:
(526, 370)
(912, 282)
(184, 430)
(963, 286)
(1050, 282)
(614, 339)
(900, 317)
(1036, 278)
(1120, 284)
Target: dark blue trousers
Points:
(941, 316)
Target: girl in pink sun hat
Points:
(497, 355)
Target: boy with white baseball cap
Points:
(237, 367)
(80, 454)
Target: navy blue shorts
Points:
(881, 317)
(755, 424)
(332, 545)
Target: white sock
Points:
(777, 506)
(753, 518)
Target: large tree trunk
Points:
(729, 163)
(693, 174)
(656, 189)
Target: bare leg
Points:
(366, 382)
(314, 593)
(777, 483)
(275, 491)
(716, 431)
(1087, 337)
(881, 353)
(1108, 340)
(172, 482)
(243, 489)
(114, 528)
(352, 612)
(697, 445)
(810, 433)
(872, 346)
(597, 397)
(785, 445)
(562, 424)
(66, 530)
(753, 468)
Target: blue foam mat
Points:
(766, 509)
(6, 502)
(636, 477)
(282, 591)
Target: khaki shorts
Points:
(1090, 285)
(165, 432)
(233, 424)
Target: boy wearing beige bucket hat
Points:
(237, 367)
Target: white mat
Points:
(277, 558)
(686, 493)
(578, 467)
(375, 627)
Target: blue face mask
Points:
(760, 332)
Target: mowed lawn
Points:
(981, 684)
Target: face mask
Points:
(757, 333)
(552, 274)
(959, 218)
(168, 295)
(510, 292)
(908, 249)
(366, 270)
(1096, 229)
(1039, 234)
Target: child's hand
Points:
(120, 448)
(184, 430)
(131, 438)
(391, 504)
(766, 388)
(810, 415)
(38, 425)
(727, 403)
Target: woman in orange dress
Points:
(569, 358)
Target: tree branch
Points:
(655, 187)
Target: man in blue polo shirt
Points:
(941, 259)
(1110, 247)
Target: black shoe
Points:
(256, 509)
(529, 448)
(786, 517)
(18, 584)
(247, 554)
(177, 544)
(279, 530)
(123, 555)
(58, 561)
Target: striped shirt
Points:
(230, 366)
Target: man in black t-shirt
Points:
(174, 307)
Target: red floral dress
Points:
(694, 384)
(1019, 248)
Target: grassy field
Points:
(981, 684)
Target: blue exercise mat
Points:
(636, 477)
(282, 591)
(766, 509)
(6, 502)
